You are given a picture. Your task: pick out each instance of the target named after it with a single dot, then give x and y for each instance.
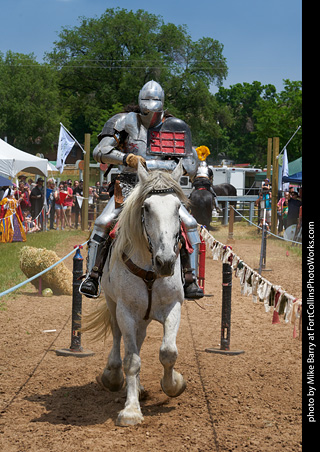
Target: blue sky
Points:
(262, 39)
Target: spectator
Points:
(68, 202)
(51, 203)
(283, 212)
(31, 184)
(104, 196)
(91, 204)
(264, 202)
(37, 200)
(23, 178)
(59, 196)
(78, 191)
(24, 198)
(11, 229)
(294, 205)
(75, 185)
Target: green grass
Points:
(11, 275)
(245, 231)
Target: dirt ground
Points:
(246, 402)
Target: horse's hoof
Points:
(177, 389)
(106, 385)
(127, 418)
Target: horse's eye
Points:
(146, 208)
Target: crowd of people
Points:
(22, 206)
(289, 208)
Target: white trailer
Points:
(241, 178)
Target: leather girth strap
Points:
(148, 277)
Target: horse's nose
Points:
(164, 267)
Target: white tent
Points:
(12, 161)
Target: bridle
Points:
(149, 276)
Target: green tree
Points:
(258, 113)
(106, 60)
(29, 102)
(281, 118)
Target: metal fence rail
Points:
(241, 201)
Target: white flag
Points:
(285, 170)
(80, 199)
(65, 145)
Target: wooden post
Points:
(86, 169)
(269, 154)
(231, 222)
(275, 170)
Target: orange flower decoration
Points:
(202, 152)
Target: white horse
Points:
(142, 282)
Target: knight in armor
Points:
(158, 142)
(204, 174)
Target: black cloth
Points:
(36, 199)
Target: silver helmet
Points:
(151, 101)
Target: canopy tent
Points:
(12, 161)
(4, 182)
(294, 167)
(294, 178)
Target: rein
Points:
(148, 276)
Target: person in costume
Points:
(127, 139)
(11, 228)
(204, 175)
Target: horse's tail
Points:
(97, 323)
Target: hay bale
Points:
(35, 260)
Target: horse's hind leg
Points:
(112, 376)
(172, 383)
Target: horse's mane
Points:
(129, 235)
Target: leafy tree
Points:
(29, 97)
(258, 113)
(281, 118)
(105, 61)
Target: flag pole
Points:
(73, 138)
(289, 141)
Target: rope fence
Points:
(12, 289)
(252, 283)
(268, 232)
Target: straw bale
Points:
(34, 260)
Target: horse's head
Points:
(149, 220)
(162, 229)
(161, 220)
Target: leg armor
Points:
(98, 249)
(190, 261)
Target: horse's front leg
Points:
(112, 376)
(131, 414)
(172, 382)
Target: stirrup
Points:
(91, 292)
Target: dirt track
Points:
(249, 402)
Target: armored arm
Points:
(106, 152)
(109, 148)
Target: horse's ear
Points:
(142, 172)
(177, 172)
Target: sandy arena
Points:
(248, 402)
